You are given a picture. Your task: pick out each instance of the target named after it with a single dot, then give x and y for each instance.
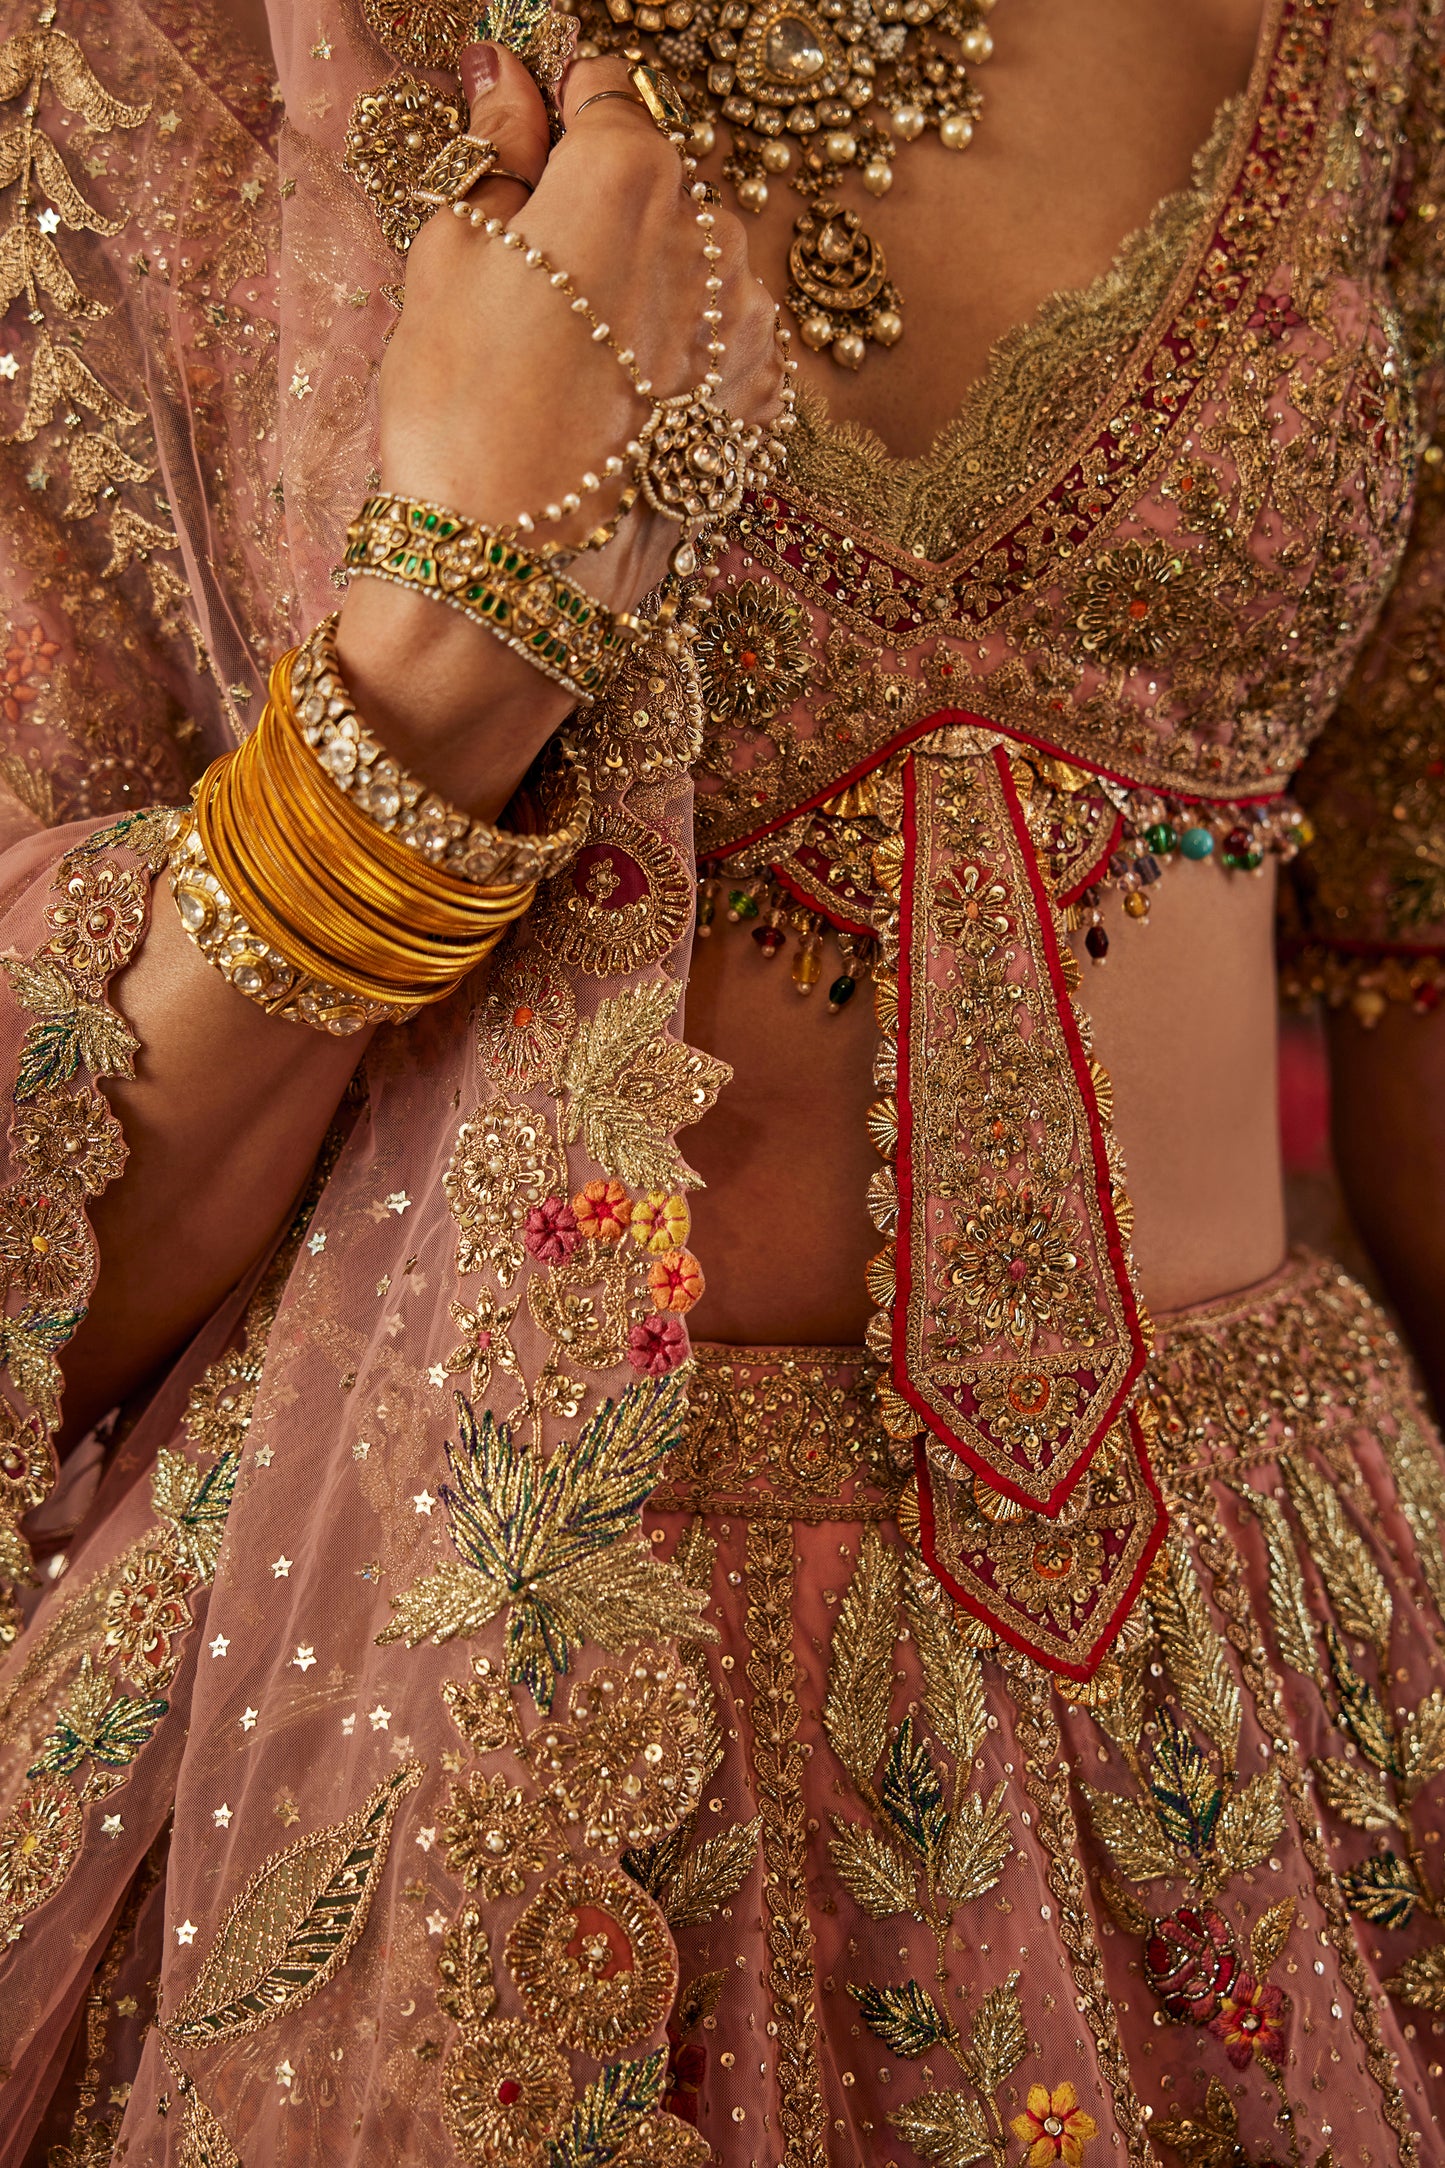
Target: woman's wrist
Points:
(446, 699)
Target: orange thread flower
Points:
(603, 1211)
(27, 658)
(661, 1222)
(1054, 2127)
(676, 1281)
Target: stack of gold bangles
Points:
(314, 904)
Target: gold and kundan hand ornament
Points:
(814, 91)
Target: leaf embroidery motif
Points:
(1421, 1979)
(295, 1923)
(860, 1675)
(1382, 1890)
(710, 1874)
(628, 1087)
(557, 1541)
(1288, 1602)
(1356, 1584)
(1194, 1652)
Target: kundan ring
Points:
(458, 167)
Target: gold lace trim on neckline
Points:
(1040, 388)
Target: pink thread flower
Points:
(675, 1281)
(1251, 2021)
(550, 1231)
(603, 1210)
(658, 1345)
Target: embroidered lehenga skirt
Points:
(930, 1901)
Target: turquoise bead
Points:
(1196, 843)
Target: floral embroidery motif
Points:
(752, 653)
(592, 1959)
(503, 1164)
(628, 1086)
(528, 1018)
(1138, 602)
(626, 1766)
(495, 1840)
(507, 2092)
(1054, 2127)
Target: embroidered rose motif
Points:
(1138, 601)
(495, 1838)
(661, 1221)
(751, 653)
(505, 2094)
(657, 1345)
(145, 1608)
(1015, 1266)
(592, 1959)
(97, 921)
(61, 1136)
(28, 656)
(626, 1766)
(603, 1211)
(1054, 2127)
(675, 1282)
(550, 1231)
(1191, 1962)
(46, 1246)
(1251, 2021)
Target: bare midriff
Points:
(1184, 1021)
(1092, 115)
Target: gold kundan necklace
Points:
(814, 90)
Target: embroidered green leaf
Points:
(1361, 1710)
(999, 2042)
(952, 1673)
(710, 1873)
(1186, 1791)
(946, 2129)
(913, 1793)
(1251, 1822)
(1288, 1602)
(874, 1872)
(860, 1669)
(1357, 1587)
(1356, 1795)
(906, 2019)
(1132, 1833)
(1269, 1935)
(1422, 1744)
(1195, 1651)
(72, 1033)
(27, 1348)
(1421, 1979)
(295, 1923)
(1382, 1890)
(93, 1725)
(557, 1542)
(196, 1502)
(618, 2116)
(976, 1847)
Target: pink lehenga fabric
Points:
(587, 1770)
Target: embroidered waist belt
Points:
(1007, 1320)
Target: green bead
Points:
(742, 905)
(1196, 843)
(1161, 837)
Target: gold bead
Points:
(977, 44)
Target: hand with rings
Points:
(582, 283)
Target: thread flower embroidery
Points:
(1054, 2127)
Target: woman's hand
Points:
(496, 399)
